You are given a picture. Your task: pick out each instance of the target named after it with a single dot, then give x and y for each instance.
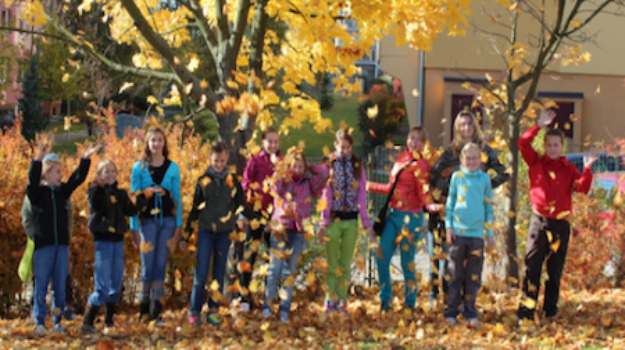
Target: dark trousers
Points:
(436, 224)
(465, 261)
(248, 252)
(539, 248)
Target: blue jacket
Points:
(469, 203)
(141, 179)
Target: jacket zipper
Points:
(56, 238)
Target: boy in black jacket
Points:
(108, 207)
(48, 197)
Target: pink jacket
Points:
(301, 193)
(258, 168)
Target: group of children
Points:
(273, 204)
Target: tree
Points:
(560, 31)
(236, 34)
(30, 103)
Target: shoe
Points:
(69, 313)
(144, 312)
(91, 311)
(196, 320)
(284, 317)
(158, 322)
(40, 329)
(244, 307)
(473, 322)
(212, 320)
(340, 306)
(267, 312)
(384, 308)
(58, 327)
(450, 321)
(155, 312)
(110, 312)
(330, 306)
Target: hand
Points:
(267, 228)
(183, 246)
(42, 148)
(373, 239)
(321, 235)
(91, 150)
(156, 189)
(491, 242)
(242, 224)
(590, 157)
(546, 118)
(136, 240)
(451, 236)
(177, 233)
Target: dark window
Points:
(563, 118)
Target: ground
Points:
(587, 320)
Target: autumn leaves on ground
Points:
(587, 320)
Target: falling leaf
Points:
(511, 214)
(146, 247)
(125, 86)
(563, 214)
(555, 245)
(372, 112)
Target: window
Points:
(562, 120)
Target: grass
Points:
(70, 147)
(57, 128)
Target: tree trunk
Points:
(512, 273)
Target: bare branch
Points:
(222, 24)
(194, 7)
(240, 23)
(588, 19)
(173, 30)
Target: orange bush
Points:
(15, 157)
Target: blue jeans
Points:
(440, 264)
(50, 263)
(279, 268)
(154, 262)
(395, 222)
(215, 245)
(108, 270)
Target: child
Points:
(295, 190)
(405, 217)
(108, 205)
(48, 197)
(346, 197)
(469, 208)
(256, 176)
(552, 179)
(218, 197)
(158, 232)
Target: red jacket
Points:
(258, 170)
(552, 181)
(410, 194)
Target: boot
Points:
(155, 312)
(144, 311)
(91, 311)
(110, 311)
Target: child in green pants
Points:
(346, 197)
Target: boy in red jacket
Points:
(552, 180)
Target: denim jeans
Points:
(440, 264)
(395, 223)
(279, 268)
(154, 262)
(209, 245)
(50, 263)
(108, 270)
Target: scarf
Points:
(220, 177)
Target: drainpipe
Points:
(421, 71)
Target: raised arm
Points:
(319, 179)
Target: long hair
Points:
(147, 154)
(478, 137)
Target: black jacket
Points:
(108, 207)
(49, 205)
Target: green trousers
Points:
(339, 253)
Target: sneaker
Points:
(212, 320)
(158, 322)
(58, 327)
(284, 317)
(69, 313)
(330, 306)
(196, 320)
(384, 308)
(244, 307)
(450, 321)
(473, 322)
(340, 306)
(87, 329)
(267, 312)
(40, 329)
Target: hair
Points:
(554, 132)
(147, 154)
(469, 147)
(47, 165)
(343, 135)
(478, 137)
(421, 131)
(218, 147)
(103, 163)
(268, 130)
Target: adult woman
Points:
(157, 228)
(405, 216)
(466, 129)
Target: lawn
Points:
(70, 146)
(57, 128)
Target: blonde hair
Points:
(48, 164)
(469, 147)
(103, 163)
(478, 137)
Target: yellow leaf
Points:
(214, 285)
(152, 100)
(310, 279)
(555, 245)
(125, 86)
(372, 112)
(201, 206)
(326, 150)
(476, 253)
(489, 201)
(289, 281)
(549, 236)
(146, 247)
(65, 77)
(563, 214)
(460, 174)
(511, 214)
(484, 157)
(226, 218)
(322, 204)
(575, 23)
(529, 303)
(461, 199)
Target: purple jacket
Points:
(258, 169)
(302, 193)
(328, 195)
